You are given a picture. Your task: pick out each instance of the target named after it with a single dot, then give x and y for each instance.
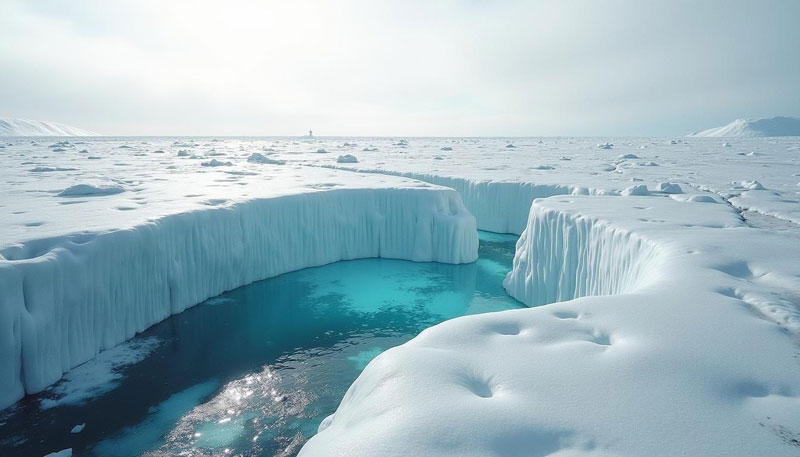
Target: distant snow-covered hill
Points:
(22, 127)
(772, 126)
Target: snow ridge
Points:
(773, 126)
(23, 127)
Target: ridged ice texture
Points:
(63, 300)
(498, 206)
(562, 256)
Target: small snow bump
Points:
(750, 185)
(216, 163)
(347, 158)
(701, 199)
(262, 159)
(669, 188)
(87, 190)
(637, 190)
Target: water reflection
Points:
(254, 371)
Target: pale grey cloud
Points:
(398, 68)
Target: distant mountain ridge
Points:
(771, 126)
(23, 127)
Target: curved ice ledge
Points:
(563, 255)
(64, 299)
(673, 326)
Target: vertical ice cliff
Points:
(562, 256)
(62, 300)
(498, 206)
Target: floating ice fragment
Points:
(61, 453)
(322, 151)
(605, 145)
(447, 148)
(78, 428)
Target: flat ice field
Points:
(670, 271)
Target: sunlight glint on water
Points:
(255, 370)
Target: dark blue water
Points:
(255, 370)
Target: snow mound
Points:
(23, 127)
(347, 158)
(216, 163)
(749, 185)
(89, 190)
(669, 188)
(639, 189)
(772, 126)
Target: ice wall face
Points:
(562, 256)
(498, 206)
(64, 299)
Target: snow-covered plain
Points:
(675, 261)
(24, 127)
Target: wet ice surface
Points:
(253, 371)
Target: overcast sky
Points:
(427, 68)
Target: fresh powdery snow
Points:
(663, 277)
(22, 127)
